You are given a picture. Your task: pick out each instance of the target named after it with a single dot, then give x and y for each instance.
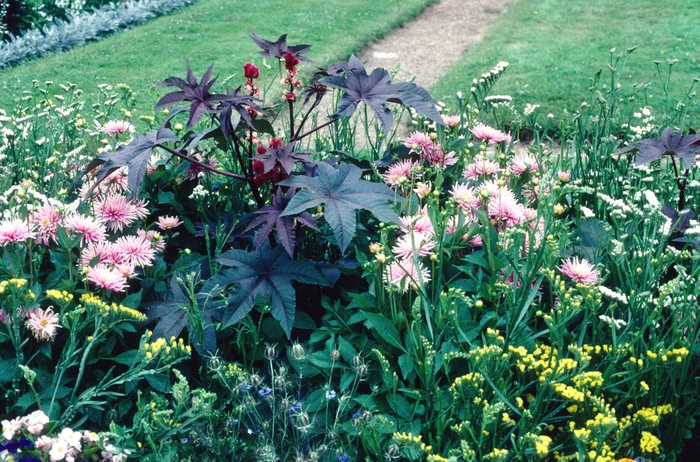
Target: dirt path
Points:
(430, 44)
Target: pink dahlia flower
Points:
(404, 272)
(451, 121)
(107, 277)
(89, 229)
(134, 250)
(413, 243)
(117, 126)
(116, 211)
(15, 230)
(46, 219)
(481, 167)
(401, 172)
(167, 222)
(522, 162)
(490, 134)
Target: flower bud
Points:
(270, 352)
(298, 352)
(335, 355)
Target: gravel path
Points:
(431, 43)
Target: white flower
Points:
(616, 323)
(10, 427)
(587, 213)
(59, 449)
(71, 437)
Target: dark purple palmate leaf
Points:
(135, 155)
(284, 156)
(670, 144)
(267, 272)
(279, 48)
(234, 107)
(196, 93)
(342, 192)
(270, 217)
(377, 89)
(681, 220)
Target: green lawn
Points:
(212, 31)
(554, 47)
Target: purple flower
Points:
(296, 407)
(265, 391)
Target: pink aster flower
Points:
(401, 172)
(106, 277)
(89, 229)
(43, 324)
(579, 270)
(423, 189)
(168, 222)
(451, 121)
(405, 273)
(117, 126)
(489, 134)
(46, 219)
(134, 250)
(116, 211)
(15, 230)
(413, 243)
(417, 140)
(141, 209)
(481, 167)
(564, 177)
(522, 162)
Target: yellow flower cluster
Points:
(497, 455)
(15, 284)
(62, 297)
(114, 312)
(544, 362)
(402, 438)
(175, 349)
(542, 443)
(649, 443)
(648, 417)
(588, 380)
(436, 458)
(486, 353)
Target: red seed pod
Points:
(251, 71)
(261, 149)
(258, 167)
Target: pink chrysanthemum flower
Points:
(156, 240)
(91, 230)
(141, 209)
(451, 121)
(98, 252)
(579, 270)
(15, 230)
(419, 223)
(43, 324)
(481, 167)
(401, 172)
(465, 197)
(134, 250)
(522, 162)
(116, 211)
(422, 190)
(168, 222)
(46, 219)
(504, 208)
(126, 270)
(436, 157)
(417, 140)
(404, 273)
(117, 126)
(413, 243)
(490, 134)
(106, 277)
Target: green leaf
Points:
(406, 365)
(159, 382)
(386, 330)
(315, 401)
(341, 192)
(347, 379)
(128, 358)
(347, 351)
(268, 272)
(8, 367)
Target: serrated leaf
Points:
(341, 192)
(406, 365)
(385, 329)
(279, 47)
(270, 217)
(268, 272)
(670, 144)
(135, 156)
(196, 93)
(375, 90)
